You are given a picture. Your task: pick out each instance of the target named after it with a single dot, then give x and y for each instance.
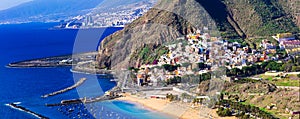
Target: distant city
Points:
(113, 18)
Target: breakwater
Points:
(84, 100)
(113, 94)
(16, 106)
(80, 82)
(57, 61)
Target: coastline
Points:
(174, 109)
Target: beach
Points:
(176, 109)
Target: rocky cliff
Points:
(169, 19)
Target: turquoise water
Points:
(26, 85)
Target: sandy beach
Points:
(177, 109)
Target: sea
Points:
(25, 86)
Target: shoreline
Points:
(175, 109)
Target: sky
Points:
(5, 4)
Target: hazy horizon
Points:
(6, 4)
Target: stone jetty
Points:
(16, 106)
(85, 100)
(113, 94)
(80, 82)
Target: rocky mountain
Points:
(170, 19)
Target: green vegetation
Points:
(170, 68)
(149, 55)
(246, 71)
(144, 53)
(273, 18)
(291, 65)
(273, 27)
(202, 65)
(224, 112)
(295, 68)
(186, 64)
(174, 80)
(272, 66)
(195, 79)
(238, 106)
(171, 97)
(246, 80)
(133, 69)
(287, 83)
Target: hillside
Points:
(171, 19)
(164, 23)
(291, 7)
(260, 17)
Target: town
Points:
(196, 57)
(111, 17)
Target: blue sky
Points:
(5, 4)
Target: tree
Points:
(224, 112)
(185, 64)
(272, 65)
(287, 67)
(236, 71)
(201, 65)
(171, 97)
(174, 80)
(205, 76)
(169, 67)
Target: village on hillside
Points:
(194, 58)
(195, 55)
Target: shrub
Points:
(224, 112)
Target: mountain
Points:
(170, 19)
(42, 10)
